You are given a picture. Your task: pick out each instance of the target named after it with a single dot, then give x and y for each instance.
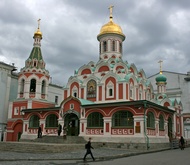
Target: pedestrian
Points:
(88, 150)
(182, 143)
(64, 132)
(40, 132)
(59, 129)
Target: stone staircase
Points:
(60, 140)
(46, 144)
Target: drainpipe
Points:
(145, 133)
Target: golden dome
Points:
(38, 32)
(111, 27)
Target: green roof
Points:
(36, 54)
(161, 78)
(86, 102)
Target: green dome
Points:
(161, 78)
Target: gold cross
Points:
(39, 23)
(160, 66)
(111, 10)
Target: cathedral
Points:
(109, 100)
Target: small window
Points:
(56, 99)
(33, 85)
(113, 45)
(71, 106)
(16, 110)
(120, 47)
(75, 91)
(75, 94)
(110, 90)
(105, 46)
(23, 107)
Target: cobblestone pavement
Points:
(70, 158)
(65, 158)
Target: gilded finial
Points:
(160, 66)
(111, 10)
(39, 23)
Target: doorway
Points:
(170, 129)
(72, 124)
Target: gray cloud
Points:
(154, 30)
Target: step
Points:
(58, 140)
(31, 147)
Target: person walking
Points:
(64, 132)
(88, 150)
(59, 129)
(182, 143)
(40, 132)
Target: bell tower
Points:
(33, 78)
(161, 81)
(110, 39)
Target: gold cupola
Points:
(111, 28)
(38, 33)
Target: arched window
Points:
(120, 47)
(140, 93)
(95, 119)
(34, 121)
(33, 85)
(131, 91)
(22, 86)
(113, 45)
(150, 120)
(51, 121)
(122, 119)
(43, 87)
(110, 90)
(75, 91)
(104, 46)
(161, 122)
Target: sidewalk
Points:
(99, 154)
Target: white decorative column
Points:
(166, 128)
(42, 124)
(83, 125)
(157, 127)
(138, 126)
(38, 90)
(26, 89)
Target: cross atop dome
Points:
(160, 61)
(111, 10)
(39, 23)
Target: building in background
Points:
(178, 88)
(8, 91)
(109, 100)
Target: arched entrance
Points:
(170, 131)
(71, 121)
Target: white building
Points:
(8, 92)
(178, 88)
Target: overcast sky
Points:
(155, 30)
